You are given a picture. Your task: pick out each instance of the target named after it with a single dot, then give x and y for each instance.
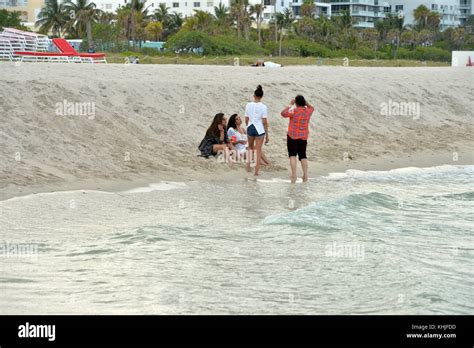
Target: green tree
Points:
(82, 14)
(284, 21)
(10, 19)
(52, 17)
(257, 9)
(176, 21)
(426, 19)
(239, 12)
(307, 8)
(200, 21)
(221, 14)
(154, 29)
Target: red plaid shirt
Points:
(298, 128)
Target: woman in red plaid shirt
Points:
(299, 112)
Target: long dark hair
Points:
(213, 128)
(232, 123)
(258, 92)
(300, 101)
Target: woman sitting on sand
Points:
(216, 138)
(256, 114)
(235, 129)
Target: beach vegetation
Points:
(239, 30)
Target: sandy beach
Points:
(116, 213)
(147, 121)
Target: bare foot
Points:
(293, 179)
(305, 179)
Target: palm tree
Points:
(221, 14)
(307, 8)
(107, 17)
(204, 20)
(154, 29)
(284, 21)
(420, 14)
(162, 14)
(433, 20)
(52, 17)
(344, 22)
(258, 10)
(175, 22)
(124, 15)
(82, 13)
(239, 12)
(324, 27)
(138, 12)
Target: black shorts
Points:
(296, 147)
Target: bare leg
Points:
(304, 165)
(265, 160)
(251, 141)
(293, 169)
(259, 141)
(219, 147)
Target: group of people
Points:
(231, 136)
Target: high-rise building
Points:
(29, 9)
(364, 12)
(466, 9)
(449, 10)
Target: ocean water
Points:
(396, 242)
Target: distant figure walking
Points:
(256, 114)
(299, 112)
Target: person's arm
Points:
(286, 111)
(310, 107)
(230, 133)
(265, 124)
(247, 119)
(222, 134)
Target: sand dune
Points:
(149, 119)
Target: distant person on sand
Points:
(256, 114)
(215, 139)
(299, 112)
(259, 63)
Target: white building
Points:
(466, 9)
(449, 10)
(364, 12)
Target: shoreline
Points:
(143, 124)
(416, 160)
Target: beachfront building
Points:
(466, 9)
(449, 10)
(364, 12)
(29, 9)
(187, 7)
(320, 8)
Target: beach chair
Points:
(27, 56)
(6, 50)
(65, 48)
